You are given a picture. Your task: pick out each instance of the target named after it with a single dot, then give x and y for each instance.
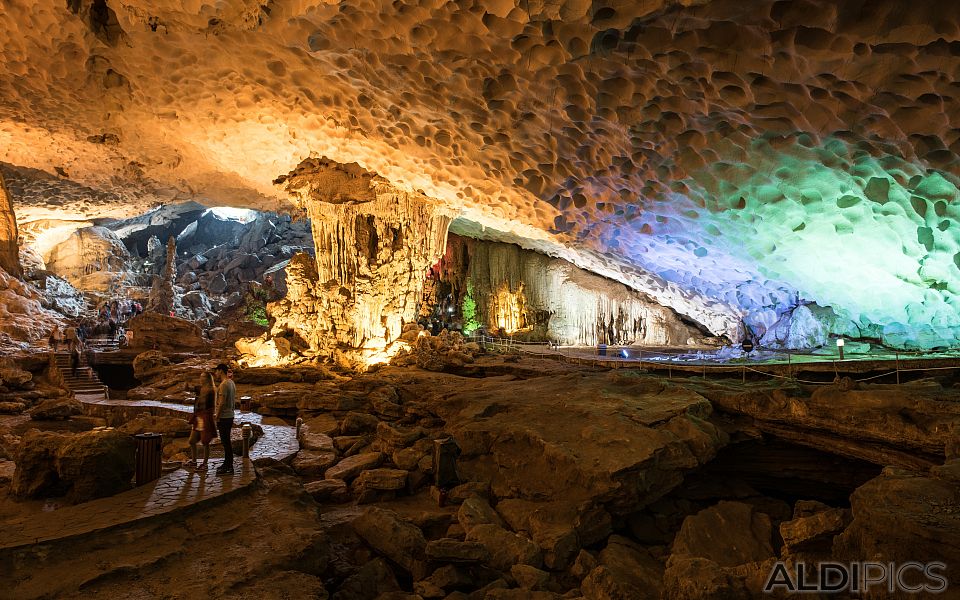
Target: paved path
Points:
(174, 491)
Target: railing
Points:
(616, 360)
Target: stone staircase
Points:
(103, 344)
(85, 382)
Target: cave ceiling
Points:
(727, 157)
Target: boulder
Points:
(96, 463)
(728, 533)
(553, 439)
(325, 423)
(401, 542)
(168, 427)
(456, 551)
(352, 466)
(445, 579)
(328, 490)
(56, 409)
(357, 423)
(217, 285)
(382, 479)
(800, 329)
(476, 511)
(12, 408)
(506, 548)
(150, 364)
(721, 552)
(814, 532)
(905, 515)
(36, 459)
(529, 578)
(625, 570)
(392, 438)
(8, 469)
(369, 582)
(13, 377)
(317, 441)
(309, 463)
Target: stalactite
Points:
(552, 299)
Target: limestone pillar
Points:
(9, 248)
(162, 294)
(374, 244)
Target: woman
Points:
(203, 427)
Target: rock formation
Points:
(163, 297)
(501, 286)
(156, 330)
(373, 246)
(9, 235)
(91, 259)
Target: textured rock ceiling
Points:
(722, 155)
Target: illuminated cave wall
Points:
(536, 297)
(871, 235)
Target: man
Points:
(226, 399)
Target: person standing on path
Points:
(226, 399)
(204, 428)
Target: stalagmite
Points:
(9, 248)
(162, 295)
(374, 244)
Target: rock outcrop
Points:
(154, 330)
(904, 516)
(83, 466)
(9, 235)
(912, 425)
(374, 243)
(91, 259)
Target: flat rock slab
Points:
(352, 466)
(382, 479)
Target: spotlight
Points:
(840, 347)
(624, 354)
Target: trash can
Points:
(601, 349)
(149, 455)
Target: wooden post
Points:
(898, 367)
(743, 373)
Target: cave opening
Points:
(118, 376)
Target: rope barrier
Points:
(618, 361)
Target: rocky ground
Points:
(573, 482)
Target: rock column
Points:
(9, 248)
(374, 245)
(162, 296)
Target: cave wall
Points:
(91, 258)
(544, 298)
(9, 248)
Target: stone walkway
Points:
(173, 491)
